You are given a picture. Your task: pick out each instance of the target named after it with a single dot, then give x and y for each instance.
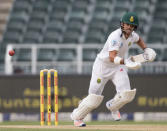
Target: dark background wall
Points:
(21, 93)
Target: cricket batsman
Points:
(111, 65)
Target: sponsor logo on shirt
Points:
(121, 44)
(114, 42)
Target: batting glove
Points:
(150, 54)
(132, 65)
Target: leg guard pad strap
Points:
(89, 103)
(120, 100)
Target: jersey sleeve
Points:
(113, 44)
(135, 37)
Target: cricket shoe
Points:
(79, 123)
(116, 115)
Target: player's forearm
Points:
(114, 58)
(141, 44)
(112, 55)
(122, 62)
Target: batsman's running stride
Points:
(111, 65)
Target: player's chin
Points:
(128, 31)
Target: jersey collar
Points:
(122, 35)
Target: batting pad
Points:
(120, 100)
(89, 103)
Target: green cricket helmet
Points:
(130, 18)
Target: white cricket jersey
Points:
(117, 41)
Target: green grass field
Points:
(91, 126)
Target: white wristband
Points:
(117, 60)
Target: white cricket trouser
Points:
(103, 72)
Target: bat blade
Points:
(140, 58)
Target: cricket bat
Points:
(140, 58)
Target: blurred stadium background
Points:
(67, 35)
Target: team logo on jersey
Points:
(98, 80)
(129, 44)
(131, 19)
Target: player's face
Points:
(128, 28)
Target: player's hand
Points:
(131, 64)
(149, 54)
